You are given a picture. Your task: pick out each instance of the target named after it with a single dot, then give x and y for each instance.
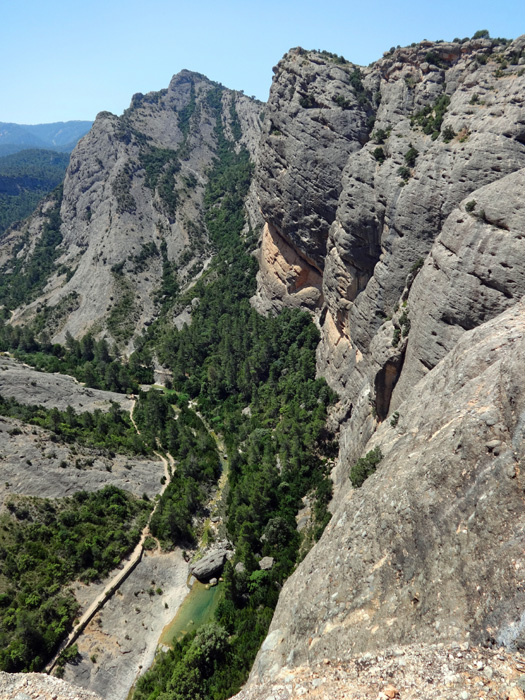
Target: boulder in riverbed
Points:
(209, 566)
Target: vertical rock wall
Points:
(358, 171)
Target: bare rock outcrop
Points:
(417, 133)
(415, 672)
(306, 144)
(34, 462)
(21, 686)
(475, 270)
(430, 547)
(210, 565)
(28, 385)
(120, 643)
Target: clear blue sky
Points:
(69, 60)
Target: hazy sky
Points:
(69, 60)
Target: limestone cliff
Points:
(132, 207)
(430, 547)
(358, 171)
(392, 200)
(412, 263)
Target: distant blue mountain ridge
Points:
(58, 136)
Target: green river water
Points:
(197, 609)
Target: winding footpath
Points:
(122, 574)
(135, 557)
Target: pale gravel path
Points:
(123, 637)
(122, 572)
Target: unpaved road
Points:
(122, 573)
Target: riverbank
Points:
(197, 609)
(120, 642)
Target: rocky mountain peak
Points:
(132, 206)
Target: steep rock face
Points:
(430, 547)
(422, 260)
(449, 120)
(287, 275)
(475, 269)
(307, 142)
(133, 204)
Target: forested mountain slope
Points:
(25, 178)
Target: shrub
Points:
(121, 188)
(417, 265)
(365, 466)
(433, 58)
(307, 102)
(430, 118)
(379, 155)
(470, 206)
(448, 134)
(404, 322)
(410, 156)
(404, 172)
(341, 101)
(380, 136)
(396, 337)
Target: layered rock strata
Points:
(359, 169)
(420, 254)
